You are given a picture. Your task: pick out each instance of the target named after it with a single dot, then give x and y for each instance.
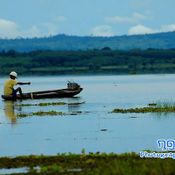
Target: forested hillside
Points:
(64, 42)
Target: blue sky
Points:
(37, 18)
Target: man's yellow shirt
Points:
(8, 86)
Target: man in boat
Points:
(10, 83)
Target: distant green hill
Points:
(64, 42)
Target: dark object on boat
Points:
(73, 85)
(59, 93)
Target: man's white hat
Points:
(13, 74)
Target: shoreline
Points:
(91, 163)
(87, 74)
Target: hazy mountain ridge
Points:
(64, 42)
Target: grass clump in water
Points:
(21, 115)
(25, 105)
(44, 104)
(51, 113)
(41, 113)
(157, 109)
(50, 104)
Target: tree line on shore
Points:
(92, 61)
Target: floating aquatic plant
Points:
(41, 113)
(21, 115)
(157, 109)
(50, 104)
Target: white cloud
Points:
(134, 18)
(103, 30)
(168, 28)
(140, 29)
(8, 28)
(6, 24)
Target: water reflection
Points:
(9, 110)
(74, 104)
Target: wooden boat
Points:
(59, 93)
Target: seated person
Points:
(10, 83)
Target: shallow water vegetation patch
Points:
(98, 163)
(22, 115)
(43, 104)
(50, 104)
(50, 113)
(41, 113)
(156, 109)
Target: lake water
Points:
(95, 128)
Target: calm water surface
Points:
(95, 128)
